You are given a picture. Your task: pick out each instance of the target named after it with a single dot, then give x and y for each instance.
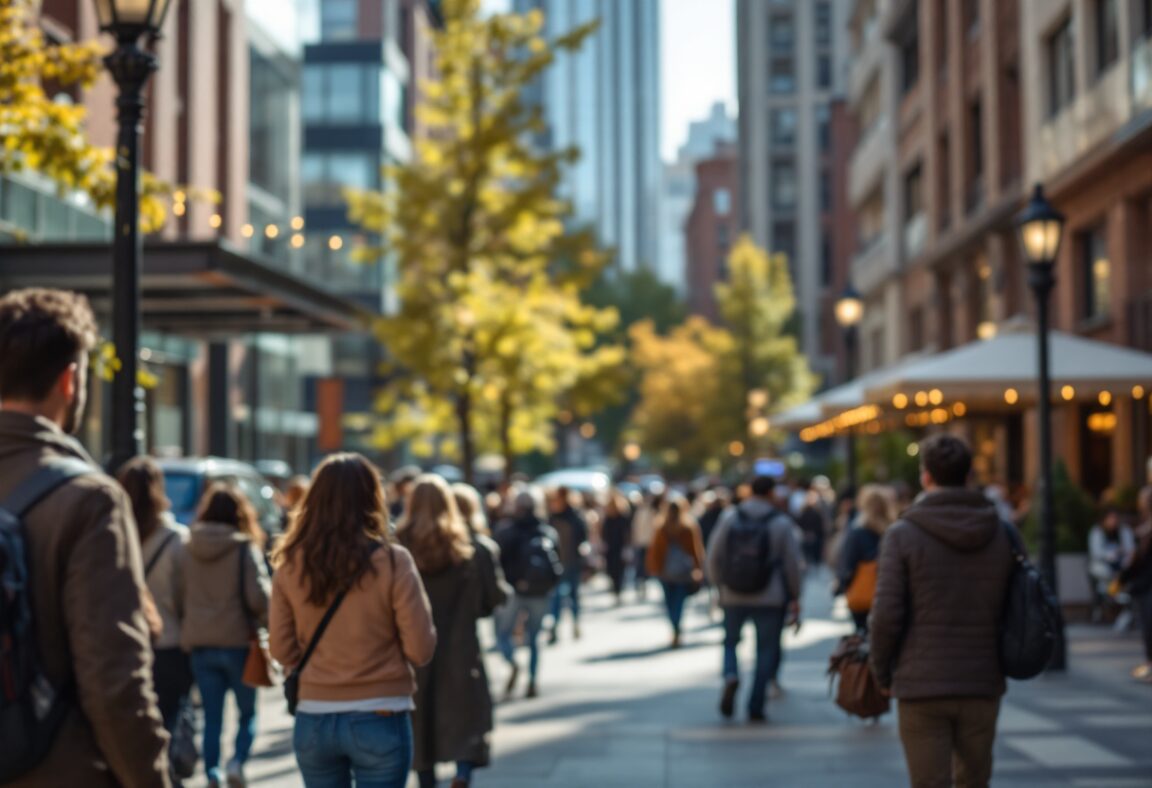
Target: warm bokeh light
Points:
(900, 401)
(935, 396)
(178, 209)
(913, 449)
(247, 231)
(271, 231)
(335, 243)
(1011, 396)
(921, 399)
(986, 330)
(297, 241)
(959, 409)
(759, 427)
(1068, 393)
(632, 451)
(297, 222)
(215, 221)
(588, 430)
(736, 448)
(1137, 392)
(757, 398)
(1105, 398)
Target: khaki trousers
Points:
(948, 741)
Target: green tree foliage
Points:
(696, 382)
(47, 135)
(491, 338)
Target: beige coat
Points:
(84, 559)
(163, 551)
(217, 612)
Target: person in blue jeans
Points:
(757, 542)
(354, 718)
(530, 599)
(572, 531)
(677, 558)
(226, 591)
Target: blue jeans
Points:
(218, 670)
(535, 608)
(675, 595)
(332, 749)
(769, 622)
(569, 587)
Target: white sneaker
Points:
(235, 772)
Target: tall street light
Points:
(128, 21)
(1041, 227)
(849, 312)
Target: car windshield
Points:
(183, 490)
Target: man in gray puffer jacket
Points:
(935, 624)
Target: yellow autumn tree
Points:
(491, 337)
(46, 134)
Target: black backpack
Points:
(1031, 621)
(747, 568)
(31, 709)
(540, 567)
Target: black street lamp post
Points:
(1041, 227)
(131, 66)
(849, 312)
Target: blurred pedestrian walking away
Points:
(453, 716)
(572, 530)
(1138, 577)
(677, 558)
(533, 569)
(935, 624)
(616, 533)
(226, 591)
(754, 557)
(162, 545)
(68, 532)
(643, 529)
(353, 720)
(860, 551)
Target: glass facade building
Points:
(605, 100)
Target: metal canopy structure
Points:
(205, 289)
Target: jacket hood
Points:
(963, 519)
(212, 541)
(20, 433)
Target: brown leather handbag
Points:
(259, 667)
(858, 692)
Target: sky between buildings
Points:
(697, 63)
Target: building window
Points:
(909, 46)
(784, 126)
(826, 261)
(913, 193)
(1107, 34)
(825, 190)
(1144, 23)
(871, 220)
(976, 138)
(916, 329)
(783, 184)
(784, 242)
(1096, 273)
(972, 17)
(782, 31)
(823, 71)
(338, 19)
(325, 175)
(342, 93)
(721, 202)
(944, 181)
(722, 239)
(1061, 68)
(823, 23)
(783, 77)
(824, 127)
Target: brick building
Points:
(711, 228)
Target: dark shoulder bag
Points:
(1031, 621)
(292, 680)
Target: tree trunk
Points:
(464, 424)
(506, 438)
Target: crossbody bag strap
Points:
(43, 481)
(326, 620)
(155, 559)
(244, 591)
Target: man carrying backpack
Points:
(754, 558)
(935, 624)
(80, 710)
(528, 555)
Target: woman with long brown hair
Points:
(677, 558)
(856, 575)
(453, 717)
(225, 602)
(355, 690)
(162, 544)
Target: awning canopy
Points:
(203, 289)
(1003, 369)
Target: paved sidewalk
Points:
(618, 709)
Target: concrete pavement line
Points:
(1062, 752)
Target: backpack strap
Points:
(42, 482)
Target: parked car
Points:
(186, 479)
(585, 480)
